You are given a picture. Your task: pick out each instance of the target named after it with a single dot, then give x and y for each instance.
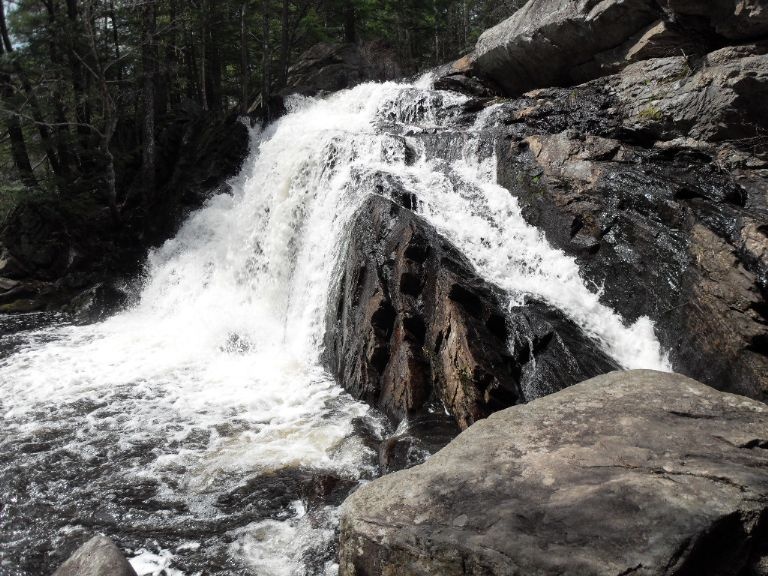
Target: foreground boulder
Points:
(97, 557)
(412, 327)
(628, 473)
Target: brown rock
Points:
(666, 237)
(413, 328)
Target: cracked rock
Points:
(412, 329)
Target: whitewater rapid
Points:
(223, 343)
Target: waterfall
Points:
(213, 378)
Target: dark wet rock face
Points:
(413, 329)
(651, 180)
(731, 19)
(199, 153)
(410, 310)
(97, 557)
(36, 242)
(628, 473)
(551, 350)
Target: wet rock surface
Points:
(650, 178)
(97, 557)
(629, 473)
(412, 328)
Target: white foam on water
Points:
(468, 206)
(227, 333)
(147, 563)
(277, 548)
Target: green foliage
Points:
(652, 114)
(74, 77)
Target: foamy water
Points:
(223, 345)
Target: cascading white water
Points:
(226, 336)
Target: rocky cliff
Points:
(654, 176)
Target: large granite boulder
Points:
(545, 42)
(97, 557)
(639, 473)
(565, 42)
(412, 327)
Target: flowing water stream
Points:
(198, 427)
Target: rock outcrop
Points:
(549, 43)
(655, 181)
(562, 42)
(719, 98)
(628, 473)
(733, 20)
(412, 328)
(328, 67)
(97, 557)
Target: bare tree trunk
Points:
(265, 62)
(285, 45)
(350, 24)
(437, 36)
(193, 90)
(115, 39)
(19, 150)
(63, 134)
(109, 119)
(203, 56)
(171, 68)
(79, 78)
(243, 59)
(37, 113)
(149, 65)
(465, 23)
(215, 93)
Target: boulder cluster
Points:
(633, 134)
